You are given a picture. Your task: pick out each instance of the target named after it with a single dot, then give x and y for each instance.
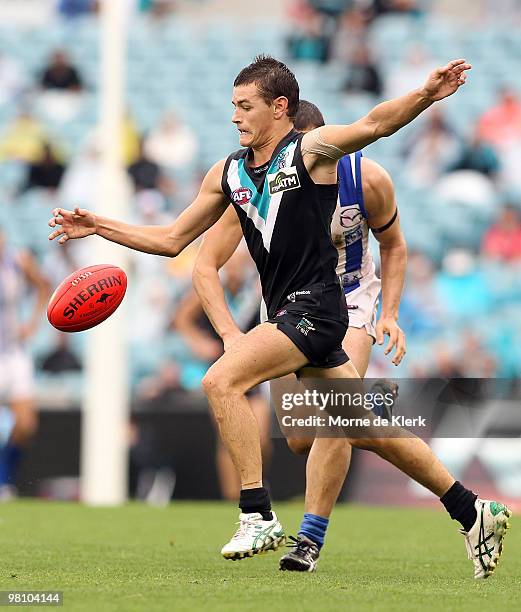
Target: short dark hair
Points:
(273, 79)
(308, 117)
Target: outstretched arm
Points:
(168, 240)
(219, 244)
(384, 221)
(331, 142)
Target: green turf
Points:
(142, 558)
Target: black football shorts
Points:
(315, 319)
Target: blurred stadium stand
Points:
(186, 64)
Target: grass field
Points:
(143, 558)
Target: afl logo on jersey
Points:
(242, 196)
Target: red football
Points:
(87, 297)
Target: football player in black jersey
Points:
(289, 239)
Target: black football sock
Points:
(459, 503)
(256, 500)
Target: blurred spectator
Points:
(61, 100)
(446, 363)
(147, 176)
(144, 172)
(161, 384)
(60, 74)
(461, 287)
(24, 139)
(80, 182)
(131, 140)
(79, 185)
(150, 205)
(59, 263)
(412, 7)
(496, 10)
(467, 187)
(364, 75)
(171, 144)
(501, 124)
(420, 311)
(411, 73)
(477, 155)
(350, 35)
(145, 5)
(12, 78)
(156, 8)
(162, 8)
(308, 40)
(503, 239)
(334, 8)
(76, 8)
(430, 148)
(46, 173)
(477, 361)
(60, 358)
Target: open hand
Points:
(389, 327)
(72, 224)
(443, 82)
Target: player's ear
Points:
(280, 107)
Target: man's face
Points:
(253, 117)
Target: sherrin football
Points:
(87, 297)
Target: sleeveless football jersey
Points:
(286, 220)
(349, 229)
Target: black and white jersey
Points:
(286, 221)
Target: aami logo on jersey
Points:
(283, 180)
(242, 196)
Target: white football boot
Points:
(484, 541)
(254, 536)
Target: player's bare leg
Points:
(328, 463)
(229, 479)
(261, 354)
(325, 477)
(358, 345)
(413, 457)
(326, 470)
(322, 488)
(484, 522)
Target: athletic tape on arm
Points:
(316, 146)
